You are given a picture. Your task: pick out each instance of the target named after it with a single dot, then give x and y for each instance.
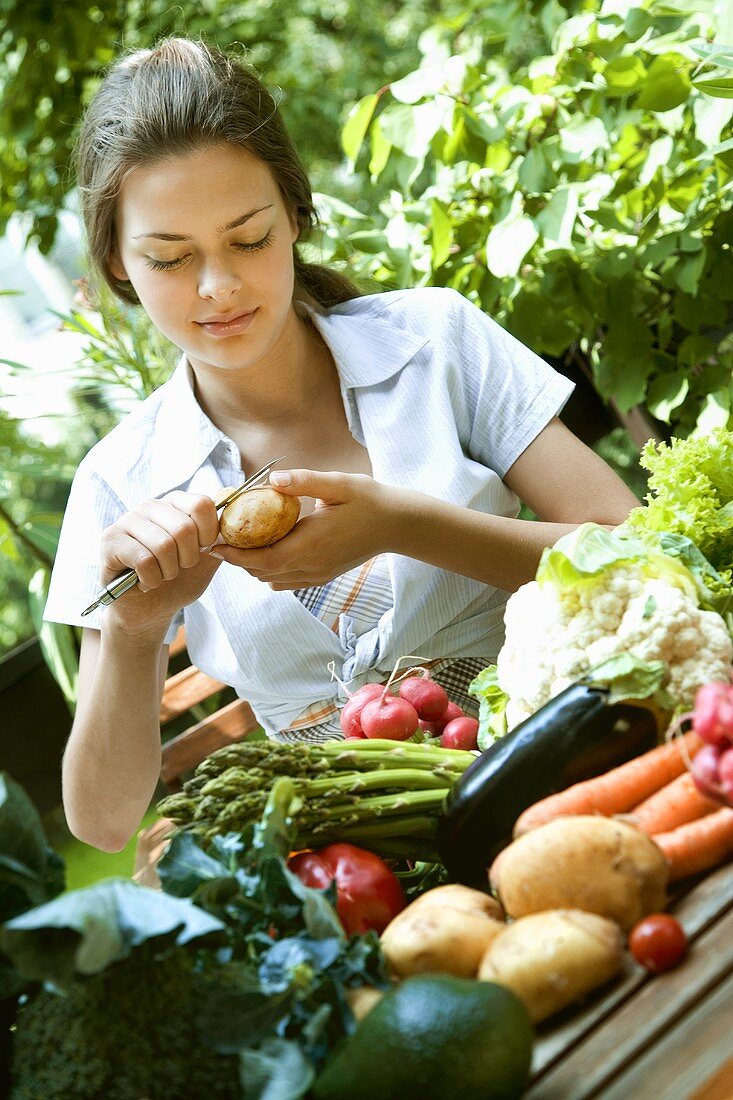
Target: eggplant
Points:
(577, 735)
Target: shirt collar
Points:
(367, 347)
(184, 436)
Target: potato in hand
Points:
(258, 518)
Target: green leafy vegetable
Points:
(492, 706)
(290, 962)
(82, 932)
(691, 494)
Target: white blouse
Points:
(443, 399)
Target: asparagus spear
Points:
(382, 794)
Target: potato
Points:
(363, 999)
(258, 517)
(588, 862)
(460, 897)
(437, 939)
(554, 958)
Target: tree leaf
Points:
(666, 86)
(508, 243)
(357, 124)
(666, 394)
(411, 129)
(441, 233)
(721, 86)
(624, 75)
(582, 137)
(557, 220)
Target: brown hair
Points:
(169, 101)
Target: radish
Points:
(460, 733)
(433, 729)
(725, 774)
(705, 771)
(451, 711)
(350, 716)
(712, 717)
(428, 698)
(389, 717)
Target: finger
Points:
(262, 562)
(202, 511)
(177, 526)
(122, 550)
(332, 486)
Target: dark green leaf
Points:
(83, 931)
(31, 872)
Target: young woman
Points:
(411, 422)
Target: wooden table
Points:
(662, 1037)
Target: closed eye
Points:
(169, 265)
(262, 243)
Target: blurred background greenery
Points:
(565, 164)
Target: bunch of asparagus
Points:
(382, 795)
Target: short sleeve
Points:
(511, 393)
(92, 506)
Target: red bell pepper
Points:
(368, 895)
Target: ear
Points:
(116, 265)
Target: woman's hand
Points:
(165, 542)
(354, 519)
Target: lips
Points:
(229, 324)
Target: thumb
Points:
(331, 487)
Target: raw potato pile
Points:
(569, 888)
(258, 518)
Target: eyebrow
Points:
(221, 229)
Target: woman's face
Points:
(206, 241)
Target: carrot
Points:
(617, 791)
(699, 845)
(675, 804)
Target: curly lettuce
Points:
(691, 494)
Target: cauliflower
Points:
(574, 617)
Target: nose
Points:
(219, 280)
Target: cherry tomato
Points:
(658, 942)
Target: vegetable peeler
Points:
(127, 580)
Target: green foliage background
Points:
(565, 164)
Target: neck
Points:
(296, 378)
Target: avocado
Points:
(435, 1037)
